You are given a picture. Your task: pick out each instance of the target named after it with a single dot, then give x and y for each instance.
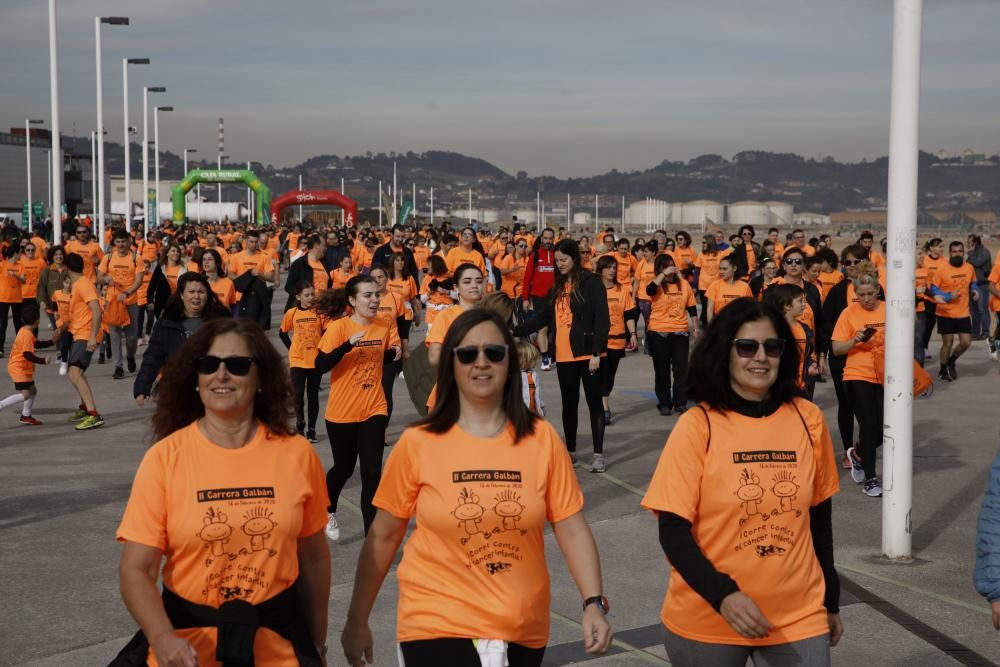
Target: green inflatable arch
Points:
(196, 176)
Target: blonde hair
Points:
(499, 303)
(527, 355)
(867, 276)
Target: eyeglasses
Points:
(850, 262)
(747, 347)
(29, 249)
(469, 354)
(793, 262)
(238, 366)
(747, 233)
(522, 245)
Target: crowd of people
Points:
(235, 499)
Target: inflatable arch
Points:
(196, 176)
(315, 198)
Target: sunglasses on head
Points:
(239, 366)
(468, 354)
(793, 262)
(747, 347)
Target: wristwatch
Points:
(601, 602)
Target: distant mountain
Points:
(819, 185)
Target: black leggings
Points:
(462, 653)
(867, 399)
(670, 354)
(571, 374)
(349, 442)
(930, 310)
(703, 300)
(609, 369)
(845, 410)
(390, 370)
(306, 381)
(15, 313)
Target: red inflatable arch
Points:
(315, 198)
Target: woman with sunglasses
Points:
(512, 269)
(455, 606)
(227, 488)
(837, 299)
(192, 305)
(576, 310)
(354, 351)
(859, 335)
(742, 494)
(793, 270)
(623, 315)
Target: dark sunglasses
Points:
(238, 366)
(793, 262)
(468, 355)
(850, 262)
(747, 347)
(522, 245)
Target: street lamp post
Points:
(146, 90)
(27, 151)
(56, 166)
(219, 186)
(98, 20)
(93, 172)
(156, 155)
(186, 151)
(128, 133)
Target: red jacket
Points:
(539, 273)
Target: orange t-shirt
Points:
(932, 265)
(436, 301)
(920, 282)
(457, 256)
(709, 265)
(626, 267)
(390, 308)
(31, 269)
(307, 329)
(420, 257)
(81, 319)
(10, 287)
(865, 361)
(747, 497)
(356, 381)
(228, 521)
(172, 274)
(241, 262)
(406, 290)
(668, 313)
(61, 298)
(123, 271)
(340, 277)
(802, 342)
(619, 301)
(995, 281)
(564, 322)
(437, 330)
(721, 293)
(511, 283)
(684, 258)
(91, 254)
(224, 290)
(19, 368)
(474, 565)
(827, 281)
(644, 273)
(149, 250)
(956, 281)
(320, 278)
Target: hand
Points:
(939, 299)
(812, 370)
(357, 643)
(528, 305)
(975, 295)
(594, 365)
(406, 353)
(172, 651)
(995, 606)
(824, 370)
(859, 337)
(597, 633)
(122, 297)
(91, 345)
(836, 628)
(743, 616)
(399, 352)
(357, 337)
(141, 400)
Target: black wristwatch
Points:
(601, 602)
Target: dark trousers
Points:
(609, 369)
(670, 355)
(845, 411)
(867, 399)
(703, 300)
(349, 442)
(930, 318)
(919, 324)
(65, 343)
(462, 653)
(305, 381)
(389, 372)
(645, 308)
(15, 314)
(571, 375)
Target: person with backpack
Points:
(124, 271)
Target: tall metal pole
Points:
(93, 170)
(623, 215)
(597, 214)
(380, 193)
(219, 187)
(538, 211)
(432, 206)
(27, 154)
(568, 225)
(56, 154)
(100, 137)
(300, 205)
(343, 213)
(156, 161)
(128, 141)
(250, 215)
(904, 125)
(394, 185)
(470, 206)
(48, 183)
(145, 163)
(413, 212)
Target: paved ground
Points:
(62, 494)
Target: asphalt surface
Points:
(62, 493)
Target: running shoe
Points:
(63, 368)
(952, 371)
(546, 364)
(944, 375)
(680, 409)
(598, 465)
(29, 420)
(666, 411)
(607, 418)
(131, 364)
(994, 349)
(857, 470)
(300, 428)
(332, 528)
(89, 422)
(574, 459)
(311, 436)
(101, 358)
(872, 488)
(119, 373)
(845, 462)
(79, 415)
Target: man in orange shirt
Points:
(88, 250)
(124, 270)
(950, 286)
(84, 325)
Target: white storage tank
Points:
(649, 214)
(579, 219)
(701, 212)
(750, 213)
(780, 213)
(489, 216)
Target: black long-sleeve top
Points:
(687, 558)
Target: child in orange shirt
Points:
(21, 366)
(306, 326)
(62, 336)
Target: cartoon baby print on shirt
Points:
(469, 514)
(215, 534)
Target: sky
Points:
(566, 88)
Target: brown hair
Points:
(179, 403)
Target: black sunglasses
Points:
(238, 366)
(468, 355)
(747, 347)
(850, 262)
(793, 262)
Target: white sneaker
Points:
(857, 470)
(872, 488)
(63, 368)
(546, 364)
(598, 464)
(332, 528)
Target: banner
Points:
(404, 211)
